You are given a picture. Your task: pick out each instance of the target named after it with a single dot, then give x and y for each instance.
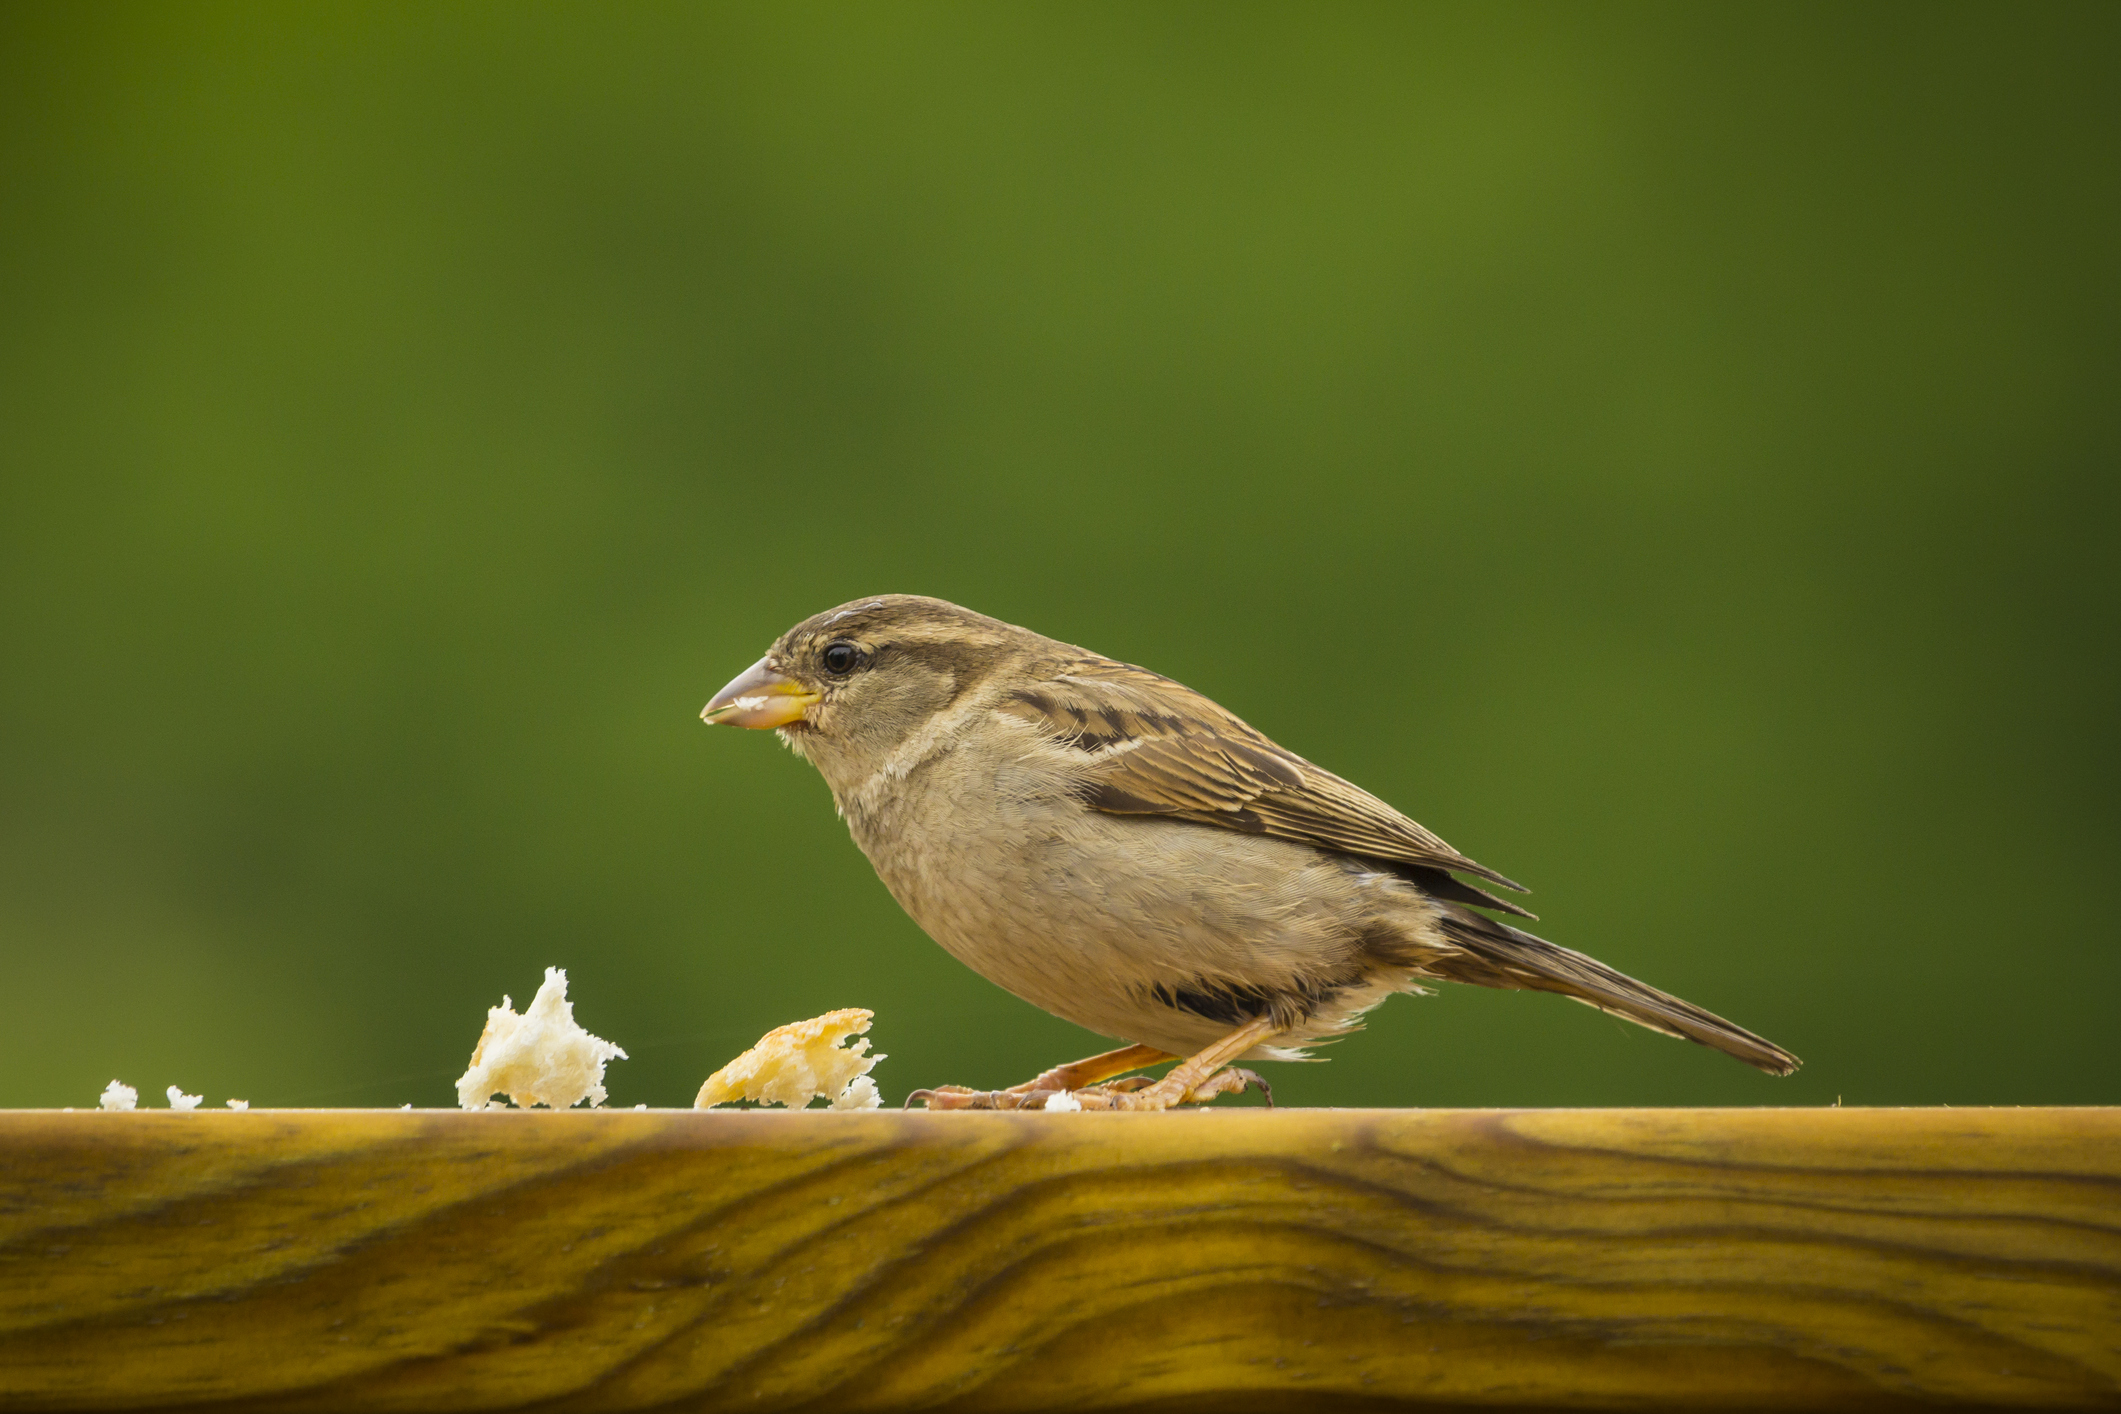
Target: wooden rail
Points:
(1287, 1260)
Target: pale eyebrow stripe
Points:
(846, 612)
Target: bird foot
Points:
(1076, 1075)
(1231, 1082)
(1201, 1077)
(961, 1097)
(1140, 1093)
(1193, 1081)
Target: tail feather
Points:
(1497, 955)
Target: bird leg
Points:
(1075, 1075)
(1195, 1080)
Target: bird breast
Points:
(986, 844)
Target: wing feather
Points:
(1157, 747)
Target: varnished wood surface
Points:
(1637, 1259)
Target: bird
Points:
(1117, 849)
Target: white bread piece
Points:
(119, 1096)
(539, 1058)
(800, 1062)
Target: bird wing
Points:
(1160, 748)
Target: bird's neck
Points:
(868, 788)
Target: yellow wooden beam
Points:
(1641, 1259)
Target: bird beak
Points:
(760, 697)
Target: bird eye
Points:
(841, 658)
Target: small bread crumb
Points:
(1061, 1100)
(539, 1058)
(800, 1062)
(178, 1100)
(239, 1105)
(860, 1094)
(119, 1096)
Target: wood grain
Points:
(1639, 1259)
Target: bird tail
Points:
(1497, 955)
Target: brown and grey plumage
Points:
(1114, 847)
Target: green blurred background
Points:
(1669, 451)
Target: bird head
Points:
(846, 687)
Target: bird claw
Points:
(1230, 1082)
(1184, 1084)
(1139, 1092)
(963, 1097)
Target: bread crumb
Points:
(239, 1105)
(119, 1096)
(1061, 1100)
(178, 1100)
(860, 1094)
(800, 1062)
(539, 1058)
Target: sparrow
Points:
(1118, 850)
